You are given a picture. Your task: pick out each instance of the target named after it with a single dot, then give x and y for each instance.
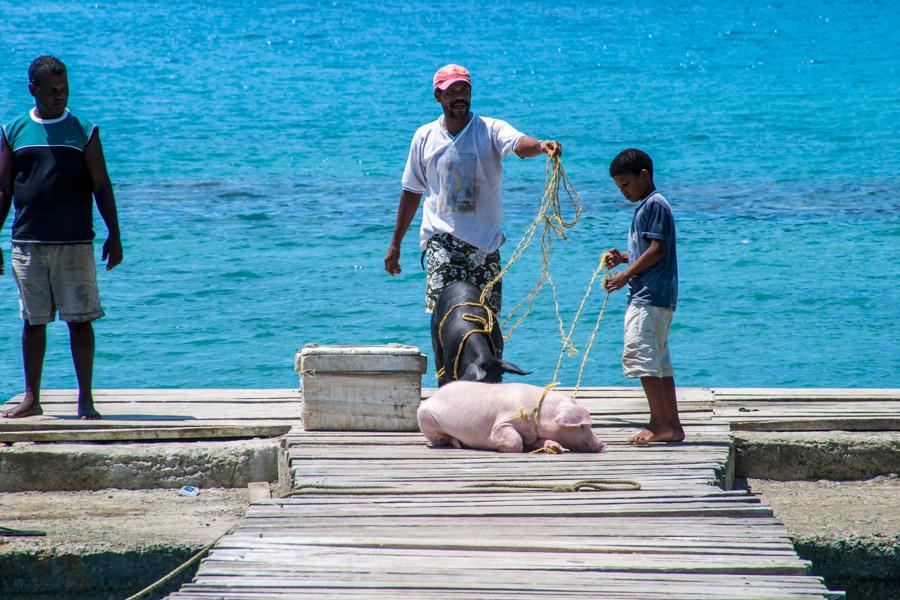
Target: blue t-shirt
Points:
(52, 188)
(657, 286)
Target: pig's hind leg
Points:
(431, 429)
(440, 441)
(505, 438)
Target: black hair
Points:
(631, 160)
(45, 65)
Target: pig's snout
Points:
(586, 441)
(594, 444)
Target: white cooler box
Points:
(360, 388)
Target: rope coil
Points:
(486, 487)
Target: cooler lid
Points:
(356, 350)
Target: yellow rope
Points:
(536, 411)
(554, 225)
(487, 323)
(550, 215)
(488, 487)
(164, 580)
(545, 450)
(602, 267)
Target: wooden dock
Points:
(158, 415)
(684, 534)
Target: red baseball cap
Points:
(450, 74)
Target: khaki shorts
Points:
(55, 277)
(450, 260)
(646, 352)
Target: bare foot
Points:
(88, 413)
(29, 407)
(661, 435)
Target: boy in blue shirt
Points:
(652, 278)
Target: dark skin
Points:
(455, 103)
(51, 95)
(665, 425)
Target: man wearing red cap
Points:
(455, 161)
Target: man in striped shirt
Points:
(51, 170)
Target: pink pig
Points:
(500, 416)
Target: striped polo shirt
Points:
(52, 188)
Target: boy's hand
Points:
(616, 282)
(614, 258)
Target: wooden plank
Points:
(848, 394)
(435, 560)
(143, 434)
(452, 585)
(189, 411)
(815, 424)
(49, 423)
(198, 394)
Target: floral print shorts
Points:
(451, 259)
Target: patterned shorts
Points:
(451, 259)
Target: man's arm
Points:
(655, 253)
(409, 204)
(528, 146)
(106, 203)
(6, 185)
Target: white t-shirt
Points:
(461, 179)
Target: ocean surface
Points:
(256, 154)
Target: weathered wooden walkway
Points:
(684, 534)
(157, 415)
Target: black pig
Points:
(478, 360)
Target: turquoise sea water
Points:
(257, 151)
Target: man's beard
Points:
(459, 111)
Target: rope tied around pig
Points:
(488, 322)
(483, 487)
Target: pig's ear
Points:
(508, 367)
(573, 416)
(473, 373)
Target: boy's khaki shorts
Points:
(55, 277)
(646, 352)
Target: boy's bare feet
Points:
(29, 407)
(664, 434)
